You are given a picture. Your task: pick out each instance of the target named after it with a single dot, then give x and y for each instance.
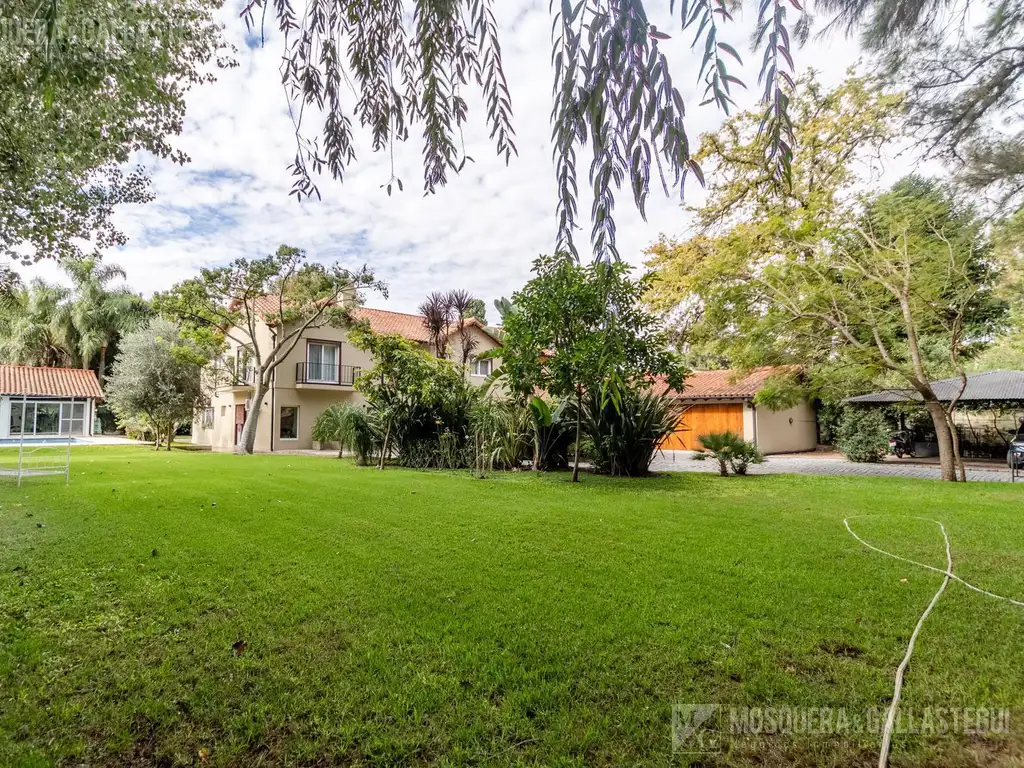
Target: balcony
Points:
(318, 375)
(244, 378)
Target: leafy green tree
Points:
(893, 290)
(157, 379)
(477, 309)
(415, 397)
(280, 292)
(900, 294)
(98, 313)
(963, 65)
(1007, 348)
(579, 330)
(83, 86)
(744, 219)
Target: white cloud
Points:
(481, 232)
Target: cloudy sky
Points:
(479, 233)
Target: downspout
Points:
(753, 408)
(273, 394)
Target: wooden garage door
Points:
(702, 420)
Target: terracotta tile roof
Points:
(382, 321)
(472, 322)
(48, 382)
(725, 384)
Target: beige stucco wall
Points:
(483, 343)
(789, 431)
(311, 400)
(749, 415)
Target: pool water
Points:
(36, 441)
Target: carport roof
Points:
(986, 387)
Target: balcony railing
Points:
(319, 373)
(244, 377)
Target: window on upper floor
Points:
(323, 362)
(481, 367)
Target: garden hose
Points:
(948, 575)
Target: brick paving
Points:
(680, 461)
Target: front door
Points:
(239, 422)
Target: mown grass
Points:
(408, 618)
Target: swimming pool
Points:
(34, 442)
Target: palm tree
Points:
(35, 326)
(437, 316)
(99, 314)
(444, 315)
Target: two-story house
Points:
(320, 372)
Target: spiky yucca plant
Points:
(625, 436)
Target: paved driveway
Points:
(680, 461)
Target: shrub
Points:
(420, 405)
(719, 446)
(730, 451)
(348, 426)
(744, 454)
(863, 435)
(624, 436)
(830, 416)
(502, 435)
(554, 431)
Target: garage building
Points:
(717, 401)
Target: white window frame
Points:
(477, 362)
(337, 365)
(66, 420)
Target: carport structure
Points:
(989, 408)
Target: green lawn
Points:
(407, 618)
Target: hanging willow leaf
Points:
(613, 94)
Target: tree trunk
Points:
(101, 374)
(954, 436)
(247, 440)
(576, 458)
(171, 429)
(384, 447)
(536, 443)
(947, 460)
